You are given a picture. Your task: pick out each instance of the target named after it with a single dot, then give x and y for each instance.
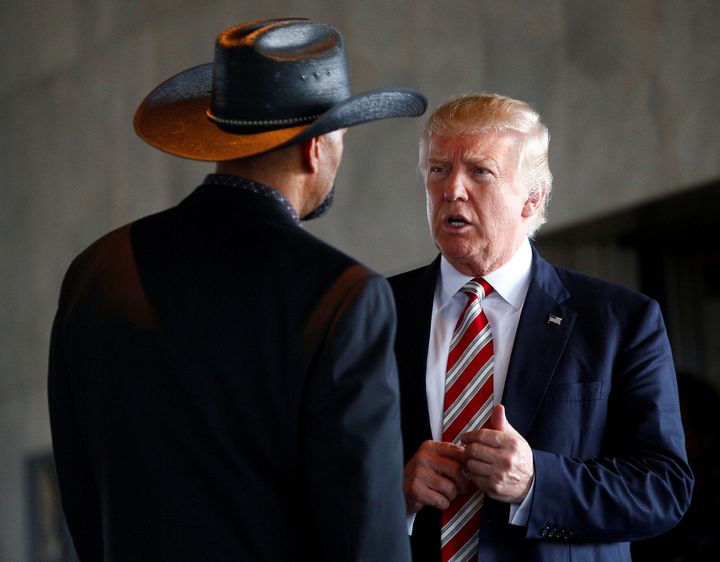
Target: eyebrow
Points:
(465, 158)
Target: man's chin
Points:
(459, 252)
(322, 208)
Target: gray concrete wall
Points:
(628, 88)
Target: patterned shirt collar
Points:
(254, 187)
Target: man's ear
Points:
(311, 154)
(533, 203)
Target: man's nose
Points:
(455, 187)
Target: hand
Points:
(498, 460)
(434, 476)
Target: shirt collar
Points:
(511, 281)
(254, 187)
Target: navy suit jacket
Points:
(594, 395)
(222, 386)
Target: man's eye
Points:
(436, 170)
(481, 171)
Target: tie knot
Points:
(477, 287)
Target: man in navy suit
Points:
(584, 450)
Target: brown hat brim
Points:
(173, 118)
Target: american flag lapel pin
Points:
(552, 319)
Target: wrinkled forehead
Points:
(489, 144)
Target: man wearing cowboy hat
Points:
(222, 384)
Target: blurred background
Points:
(629, 89)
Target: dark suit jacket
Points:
(222, 387)
(596, 399)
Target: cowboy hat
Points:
(272, 83)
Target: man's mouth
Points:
(457, 221)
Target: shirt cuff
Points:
(520, 512)
(410, 523)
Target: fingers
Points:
(498, 459)
(486, 437)
(449, 451)
(441, 465)
(434, 476)
(507, 485)
(498, 420)
(497, 432)
(493, 432)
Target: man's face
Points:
(477, 203)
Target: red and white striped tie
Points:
(467, 406)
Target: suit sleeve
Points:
(352, 442)
(640, 484)
(78, 491)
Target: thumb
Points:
(497, 420)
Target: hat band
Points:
(260, 122)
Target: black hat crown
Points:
(268, 75)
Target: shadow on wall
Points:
(697, 537)
(49, 538)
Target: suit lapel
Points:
(414, 292)
(543, 331)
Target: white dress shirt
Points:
(502, 308)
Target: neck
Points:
(275, 169)
(487, 261)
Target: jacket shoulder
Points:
(595, 288)
(421, 275)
